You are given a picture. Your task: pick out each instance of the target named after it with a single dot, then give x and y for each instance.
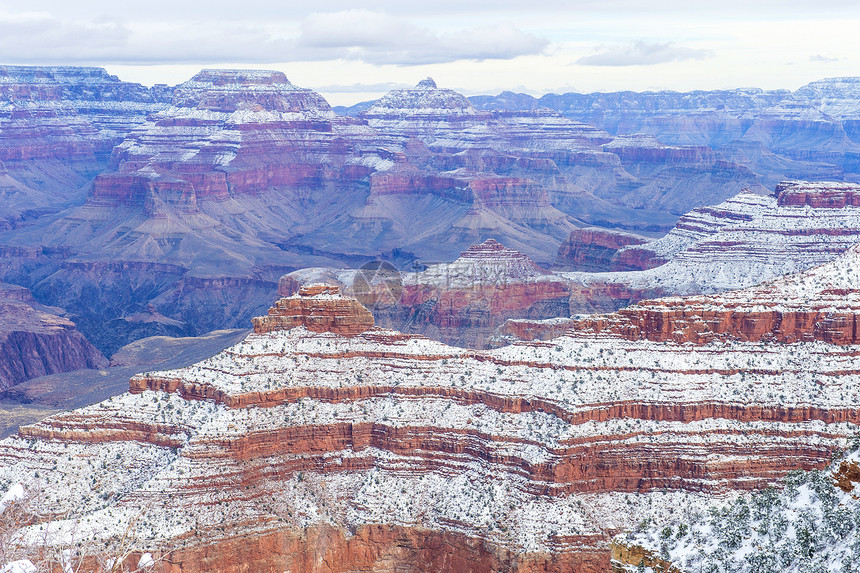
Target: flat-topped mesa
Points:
(254, 90)
(69, 84)
(827, 194)
(319, 308)
(642, 148)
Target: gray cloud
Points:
(361, 35)
(37, 36)
(643, 53)
(157, 10)
(380, 38)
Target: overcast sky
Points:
(356, 50)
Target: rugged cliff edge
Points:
(822, 303)
(300, 449)
(35, 340)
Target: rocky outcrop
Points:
(749, 239)
(36, 340)
(826, 195)
(594, 250)
(847, 475)
(820, 304)
(744, 241)
(623, 557)
(319, 308)
(392, 449)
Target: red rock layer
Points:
(319, 308)
(496, 299)
(34, 341)
(697, 321)
(581, 465)
(370, 548)
(595, 250)
(241, 449)
(820, 195)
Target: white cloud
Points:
(363, 87)
(357, 35)
(642, 53)
(380, 38)
(33, 37)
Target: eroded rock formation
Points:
(594, 249)
(36, 340)
(383, 449)
(319, 308)
(59, 125)
(820, 304)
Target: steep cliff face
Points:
(820, 304)
(593, 249)
(35, 340)
(746, 240)
(319, 308)
(302, 449)
(59, 125)
(822, 195)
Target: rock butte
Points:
(319, 308)
(298, 450)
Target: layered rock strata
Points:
(595, 250)
(319, 308)
(313, 451)
(59, 125)
(461, 303)
(819, 304)
(185, 234)
(36, 340)
(809, 133)
(744, 241)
